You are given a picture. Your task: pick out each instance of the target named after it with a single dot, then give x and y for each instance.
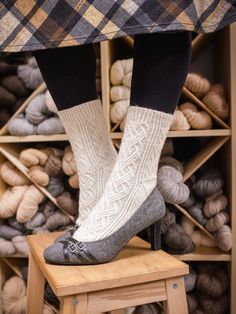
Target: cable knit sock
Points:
(94, 152)
(134, 175)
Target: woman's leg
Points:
(161, 64)
(70, 75)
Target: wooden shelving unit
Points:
(222, 141)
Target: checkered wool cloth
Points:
(39, 24)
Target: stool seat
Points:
(135, 264)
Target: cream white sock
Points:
(94, 152)
(134, 175)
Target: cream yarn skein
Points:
(6, 247)
(38, 175)
(50, 102)
(33, 157)
(119, 92)
(119, 69)
(126, 81)
(179, 123)
(197, 84)
(119, 110)
(11, 175)
(198, 120)
(68, 162)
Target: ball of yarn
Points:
(36, 221)
(10, 201)
(7, 232)
(120, 92)
(38, 175)
(53, 166)
(74, 181)
(19, 126)
(215, 222)
(197, 84)
(57, 220)
(50, 102)
(179, 122)
(213, 207)
(6, 98)
(127, 79)
(29, 204)
(21, 245)
(119, 110)
(214, 306)
(11, 175)
(189, 202)
(119, 69)
(210, 183)
(51, 126)
(212, 280)
(214, 195)
(48, 209)
(172, 162)
(6, 247)
(196, 212)
(33, 157)
(15, 86)
(223, 238)
(178, 240)
(215, 100)
(198, 119)
(14, 296)
(68, 203)
(55, 186)
(190, 280)
(170, 185)
(68, 162)
(30, 75)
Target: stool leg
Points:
(74, 304)
(35, 288)
(176, 296)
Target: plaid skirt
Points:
(41, 24)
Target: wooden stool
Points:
(136, 276)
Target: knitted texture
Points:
(134, 175)
(93, 150)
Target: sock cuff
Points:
(151, 116)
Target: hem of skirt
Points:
(128, 31)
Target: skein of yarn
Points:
(215, 100)
(38, 175)
(119, 110)
(169, 183)
(30, 74)
(6, 247)
(50, 103)
(120, 92)
(172, 162)
(119, 69)
(223, 237)
(37, 111)
(11, 175)
(68, 203)
(33, 157)
(57, 220)
(190, 280)
(68, 162)
(209, 183)
(14, 296)
(213, 207)
(50, 126)
(7, 232)
(21, 245)
(19, 126)
(216, 222)
(179, 123)
(197, 84)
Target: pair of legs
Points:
(112, 188)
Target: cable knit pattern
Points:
(94, 152)
(134, 175)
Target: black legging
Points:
(161, 64)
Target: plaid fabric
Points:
(40, 24)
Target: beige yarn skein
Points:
(217, 221)
(172, 162)
(199, 120)
(68, 162)
(29, 204)
(126, 81)
(213, 207)
(119, 92)
(10, 201)
(32, 157)
(119, 69)
(14, 296)
(223, 237)
(12, 176)
(6, 247)
(38, 175)
(21, 245)
(197, 84)
(119, 110)
(180, 122)
(215, 100)
(74, 181)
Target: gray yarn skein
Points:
(190, 280)
(196, 211)
(51, 126)
(30, 74)
(19, 126)
(15, 224)
(36, 221)
(8, 232)
(55, 186)
(37, 111)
